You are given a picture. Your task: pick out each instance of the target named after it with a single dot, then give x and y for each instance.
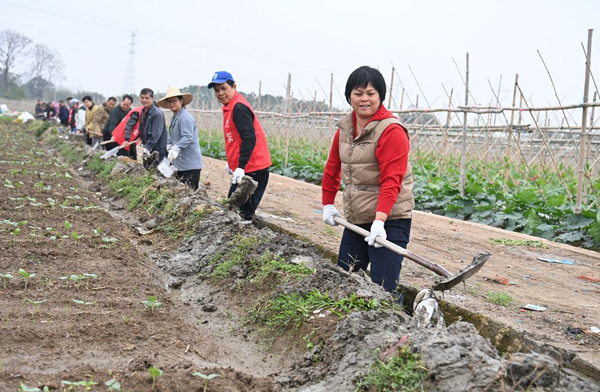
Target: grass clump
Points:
(101, 167)
(292, 309)
(132, 188)
(403, 372)
(72, 155)
(511, 242)
(499, 298)
(271, 265)
(241, 247)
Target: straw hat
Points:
(174, 92)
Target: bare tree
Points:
(45, 70)
(12, 46)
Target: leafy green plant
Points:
(5, 277)
(152, 303)
(81, 302)
(154, 373)
(25, 388)
(206, 378)
(26, 275)
(113, 385)
(499, 298)
(74, 385)
(405, 371)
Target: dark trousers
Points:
(88, 139)
(356, 253)
(248, 209)
(189, 177)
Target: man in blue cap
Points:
(245, 142)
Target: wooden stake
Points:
(259, 95)
(402, 98)
(391, 89)
(287, 120)
(463, 158)
(582, 137)
(510, 133)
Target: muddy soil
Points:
(57, 329)
(573, 304)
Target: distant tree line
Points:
(32, 70)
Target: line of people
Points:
(369, 155)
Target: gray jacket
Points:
(183, 135)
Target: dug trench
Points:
(263, 310)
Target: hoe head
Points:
(461, 276)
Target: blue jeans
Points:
(385, 264)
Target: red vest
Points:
(260, 157)
(119, 131)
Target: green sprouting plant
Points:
(154, 373)
(76, 237)
(85, 303)
(206, 378)
(5, 277)
(109, 241)
(152, 303)
(499, 298)
(405, 371)
(25, 275)
(74, 385)
(113, 385)
(14, 234)
(25, 388)
(67, 225)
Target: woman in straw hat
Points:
(184, 147)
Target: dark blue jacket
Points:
(153, 131)
(63, 115)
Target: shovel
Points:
(101, 144)
(450, 280)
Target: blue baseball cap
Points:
(220, 77)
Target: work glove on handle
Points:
(173, 153)
(377, 230)
(227, 169)
(329, 211)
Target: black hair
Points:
(129, 97)
(361, 77)
(147, 91)
(87, 98)
(230, 82)
(69, 99)
(61, 101)
(111, 99)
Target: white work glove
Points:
(227, 169)
(173, 153)
(377, 230)
(146, 152)
(329, 211)
(237, 175)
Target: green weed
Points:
(403, 372)
(499, 298)
(512, 242)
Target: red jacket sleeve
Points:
(392, 153)
(333, 171)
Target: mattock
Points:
(450, 280)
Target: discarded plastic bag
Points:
(553, 261)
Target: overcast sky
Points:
(183, 42)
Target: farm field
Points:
(112, 276)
